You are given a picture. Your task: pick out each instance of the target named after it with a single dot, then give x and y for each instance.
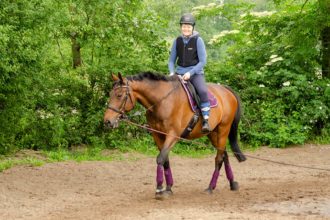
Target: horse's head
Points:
(121, 100)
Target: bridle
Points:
(121, 109)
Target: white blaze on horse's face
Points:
(115, 102)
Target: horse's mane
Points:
(150, 76)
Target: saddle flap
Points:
(193, 97)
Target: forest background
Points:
(56, 58)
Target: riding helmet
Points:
(187, 19)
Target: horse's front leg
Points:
(168, 177)
(215, 176)
(163, 167)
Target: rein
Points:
(121, 109)
(169, 93)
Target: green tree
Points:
(274, 61)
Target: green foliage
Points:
(44, 103)
(272, 60)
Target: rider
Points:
(188, 51)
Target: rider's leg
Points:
(198, 81)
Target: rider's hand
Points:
(186, 76)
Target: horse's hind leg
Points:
(229, 173)
(218, 139)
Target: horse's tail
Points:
(234, 129)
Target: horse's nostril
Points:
(107, 123)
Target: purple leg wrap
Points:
(168, 177)
(159, 178)
(229, 172)
(214, 179)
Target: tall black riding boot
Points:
(205, 126)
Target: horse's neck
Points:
(150, 94)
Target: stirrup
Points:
(205, 126)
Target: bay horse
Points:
(168, 112)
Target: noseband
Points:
(121, 109)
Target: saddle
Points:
(193, 97)
(194, 102)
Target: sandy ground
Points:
(125, 189)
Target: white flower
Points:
(320, 107)
(259, 14)
(44, 115)
(274, 59)
(318, 73)
(243, 15)
(277, 59)
(287, 83)
(198, 7)
(74, 111)
(262, 13)
(261, 85)
(217, 37)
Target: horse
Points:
(168, 113)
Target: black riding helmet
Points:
(187, 19)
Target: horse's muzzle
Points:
(111, 123)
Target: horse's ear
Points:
(114, 77)
(121, 78)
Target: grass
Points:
(131, 150)
(325, 139)
(30, 158)
(10, 162)
(86, 154)
(146, 146)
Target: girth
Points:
(193, 121)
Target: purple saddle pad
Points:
(213, 101)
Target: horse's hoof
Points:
(163, 194)
(159, 195)
(168, 192)
(234, 186)
(208, 191)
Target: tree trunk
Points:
(325, 38)
(76, 56)
(325, 51)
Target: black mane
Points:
(151, 76)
